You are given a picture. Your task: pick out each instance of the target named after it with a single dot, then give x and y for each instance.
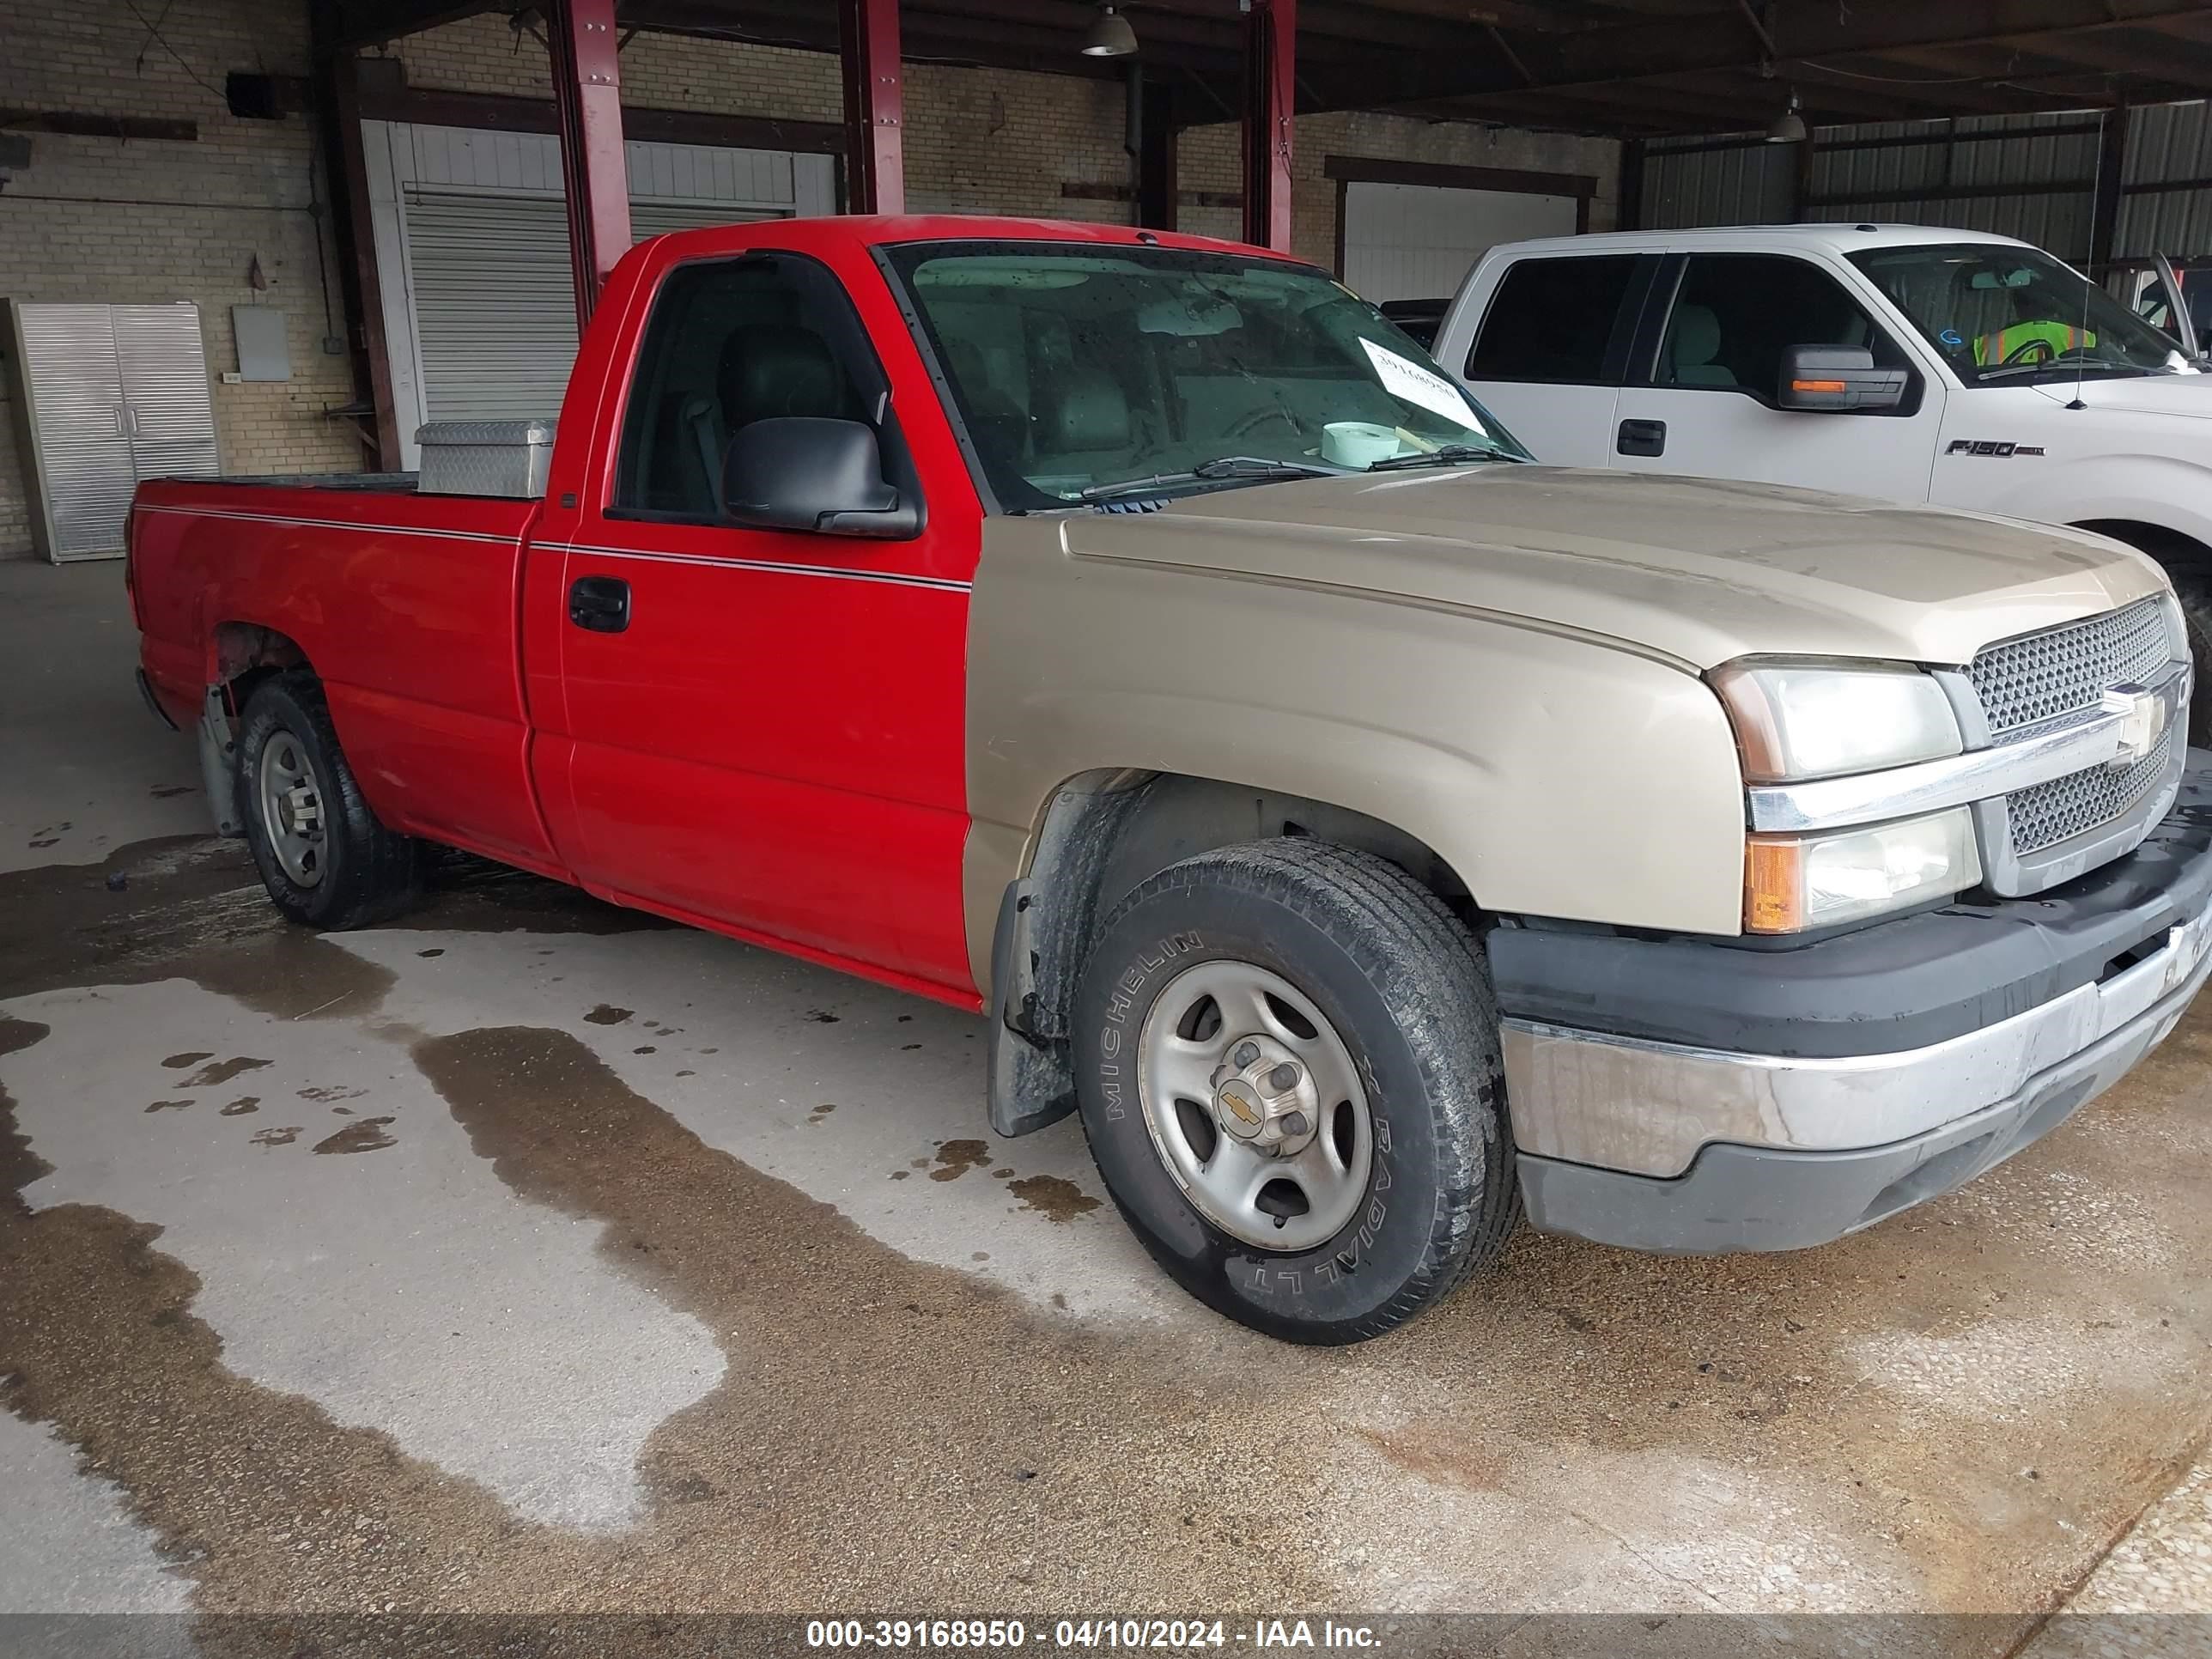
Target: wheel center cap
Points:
(1265, 1096)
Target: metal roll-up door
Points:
(494, 308)
(495, 303)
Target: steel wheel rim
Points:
(1196, 1100)
(292, 809)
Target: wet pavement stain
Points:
(823, 1017)
(820, 1112)
(795, 1293)
(283, 1137)
(956, 1158)
(178, 1062)
(242, 1105)
(330, 1091)
(168, 1105)
(211, 1077)
(362, 1135)
(607, 1014)
(171, 791)
(1053, 1197)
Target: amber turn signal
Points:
(1774, 886)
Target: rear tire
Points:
(1330, 993)
(323, 856)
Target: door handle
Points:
(601, 604)
(1642, 438)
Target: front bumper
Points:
(2028, 1009)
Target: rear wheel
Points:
(1287, 1060)
(325, 859)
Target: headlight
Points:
(1791, 883)
(1799, 720)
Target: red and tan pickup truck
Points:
(1137, 639)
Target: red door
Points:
(760, 730)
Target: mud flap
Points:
(219, 762)
(1032, 1081)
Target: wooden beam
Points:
(498, 111)
(348, 24)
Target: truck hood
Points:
(1697, 570)
(2187, 395)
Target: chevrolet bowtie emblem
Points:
(2144, 716)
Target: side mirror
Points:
(1836, 377)
(801, 472)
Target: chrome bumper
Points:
(1647, 1107)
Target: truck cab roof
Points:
(1827, 237)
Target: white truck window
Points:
(1734, 314)
(2001, 312)
(1553, 320)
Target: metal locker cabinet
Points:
(166, 405)
(106, 395)
(76, 448)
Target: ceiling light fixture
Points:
(1788, 127)
(1110, 36)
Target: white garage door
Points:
(495, 304)
(1417, 241)
(472, 254)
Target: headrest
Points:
(770, 369)
(1697, 335)
(1085, 409)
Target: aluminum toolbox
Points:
(485, 457)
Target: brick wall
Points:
(994, 140)
(977, 141)
(110, 220)
(1209, 161)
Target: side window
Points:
(1735, 313)
(1554, 319)
(731, 342)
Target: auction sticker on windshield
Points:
(1416, 385)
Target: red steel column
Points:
(1271, 31)
(587, 93)
(875, 110)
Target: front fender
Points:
(1557, 775)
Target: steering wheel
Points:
(2031, 351)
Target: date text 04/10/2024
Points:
(1001, 1635)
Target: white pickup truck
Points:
(1892, 360)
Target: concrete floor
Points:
(533, 1257)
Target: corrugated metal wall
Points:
(2030, 176)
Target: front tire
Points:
(323, 856)
(1287, 1060)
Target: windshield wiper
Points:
(1447, 455)
(1225, 466)
(2069, 365)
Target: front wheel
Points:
(1288, 1066)
(323, 855)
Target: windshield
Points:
(2001, 313)
(1083, 373)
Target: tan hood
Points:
(1698, 570)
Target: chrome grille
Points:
(2044, 814)
(2025, 681)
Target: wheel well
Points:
(1101, 834)
(245, 653)
(2171, 547)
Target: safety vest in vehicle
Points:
(1999, 347)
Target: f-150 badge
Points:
(1995, 447)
